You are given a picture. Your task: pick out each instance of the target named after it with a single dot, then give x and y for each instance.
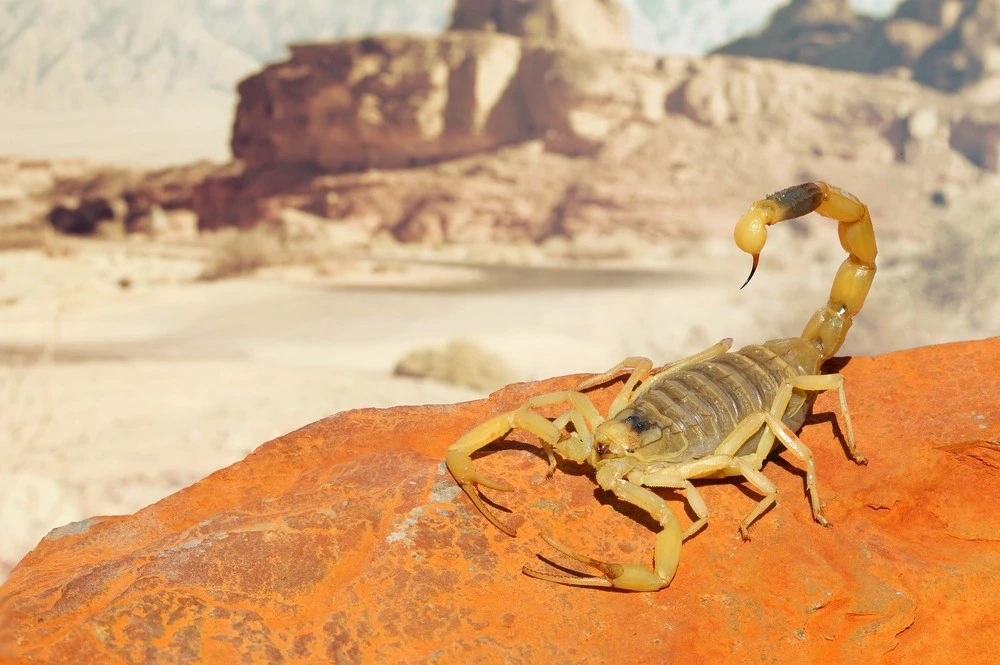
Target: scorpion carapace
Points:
(713, 415)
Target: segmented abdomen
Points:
(697, 407)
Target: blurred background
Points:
(209, 238)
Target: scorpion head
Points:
(630, 433)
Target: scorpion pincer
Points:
(713, 415)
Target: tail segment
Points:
(828, 327)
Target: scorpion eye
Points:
(637, 424)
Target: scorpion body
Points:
(691, 412)
(713, 415)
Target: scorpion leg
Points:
(670, 477)
(748, 466)
(718, 465)
(774, 427)
(640, 367)
(631, 577)
(819, 382)
(763, 485)
(715, 466)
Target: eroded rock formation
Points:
(610, 143)
(393, 102)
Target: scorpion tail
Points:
(828, 327)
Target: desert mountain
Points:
(694, 28)
(946, 44)
(98, 53)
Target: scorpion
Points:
(715, 414)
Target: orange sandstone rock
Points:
(347, 541)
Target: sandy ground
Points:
(112, 396)
(140, 135)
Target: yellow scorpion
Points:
(713, 415)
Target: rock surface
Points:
(347, 541)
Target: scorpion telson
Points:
(713, 415)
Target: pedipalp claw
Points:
(582, 558)
(579, 579)
(614, 575)
(469, 479)
(465, 472)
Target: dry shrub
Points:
(461, 363)
(239, 252)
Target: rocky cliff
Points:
(391, 102)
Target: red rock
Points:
(347, 541)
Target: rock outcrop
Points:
(968, 52)
(801, 31)
(947, 44)
(598, 24)
(158, 201)
(81, 198)
(508, 71)
(610, 144)
(382, 102)
(393, 102)
(348, 541)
